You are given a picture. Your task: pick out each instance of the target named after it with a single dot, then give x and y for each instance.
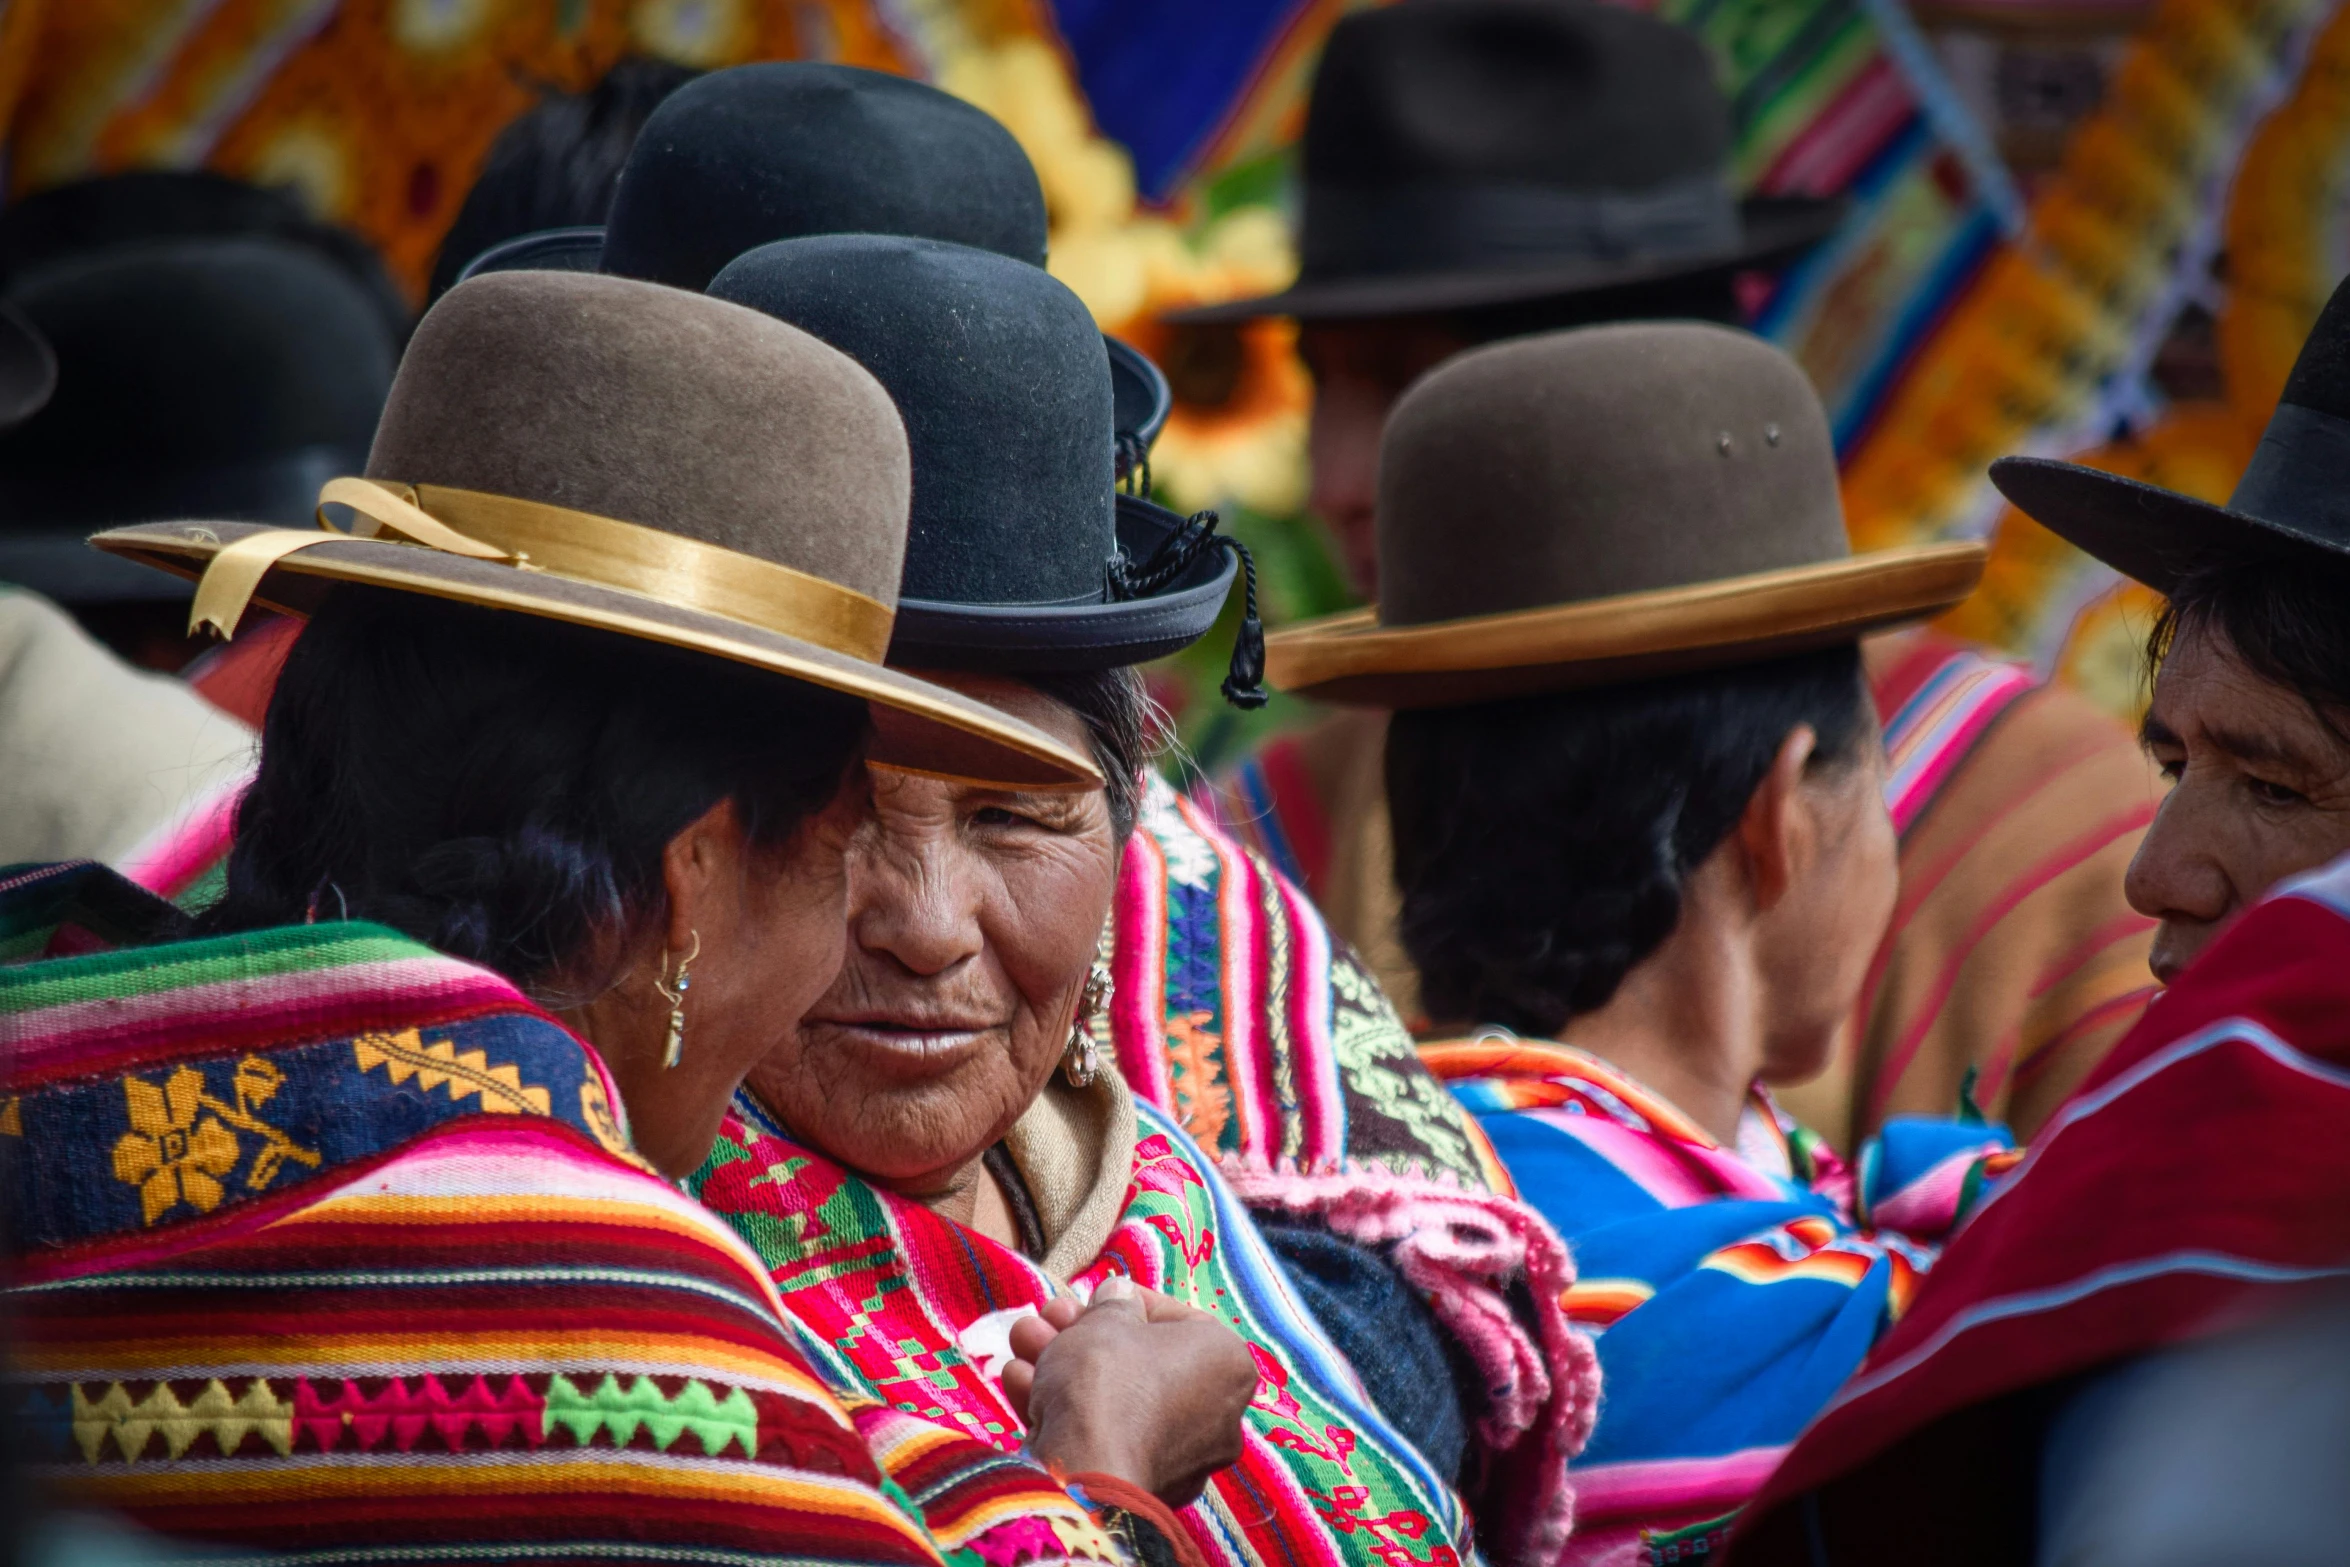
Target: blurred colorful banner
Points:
(1955, 317)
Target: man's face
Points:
(1360, 368)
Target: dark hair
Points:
(1116, 707)
(501, 786)
(557, 164)
(1541, 844)
(2281, 612)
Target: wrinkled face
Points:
(973, 920)
(2260, 791)
(1359, 370)
(1822, 936)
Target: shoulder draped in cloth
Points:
(2012, 954)
(1729, 1289)
(2196, 1180)
(1238, 1013)
(920, 1308)
(330, 1246)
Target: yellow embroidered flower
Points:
(168, 1154)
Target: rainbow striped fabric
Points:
(919, 1308)
(1730, 1289)
(331, 1247)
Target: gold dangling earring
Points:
(674, 993)
(1080, 1062)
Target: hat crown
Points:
(653, 406)
(1616, 459)
(1565, 93)
(772, 151)
(999, 373)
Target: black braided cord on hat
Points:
(1134, 463)
(1244, 684)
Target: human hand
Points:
(1134, 1385)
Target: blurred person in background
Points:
(1477, 171)
(2196, 1181)
(556, 165)
(1645, 859)
(218, 357)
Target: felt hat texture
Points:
(1467, 153)
(1604, 505)
(651, 462)
(1017, 529)
(222, 377)
(786, 149)
(2293, 501)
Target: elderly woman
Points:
(1637, 807)
(338, 1222)
(2197, 1178)
(945, 1114)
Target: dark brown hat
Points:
(1468, 153)
(1587, 507)
(641, 459)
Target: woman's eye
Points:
(998, 816)
(2170, 768)
(2271, 793)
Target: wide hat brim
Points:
(1139, 393)
(1352, 658)
(918, 726)
(1773, 230)
(28, 369)
(2147, 533)
(1012, 638)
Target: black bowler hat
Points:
(787, 149)
(1022, 554)
(2294, 498)
(1466, 153)
(223, 378)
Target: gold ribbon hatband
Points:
(576, 545)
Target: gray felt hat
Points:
(648, 461)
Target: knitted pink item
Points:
(1463, 1249)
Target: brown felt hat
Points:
(644, 460)
(1603, 505)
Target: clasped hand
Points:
(1133, 1385)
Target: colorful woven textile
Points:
(1237, 1013)
(2012, 956)
(1730, 1289)
(333, 1247)
(920, 1308)
(2196, 1179)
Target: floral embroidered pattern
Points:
(183, 1142)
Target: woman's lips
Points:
(927, 1042)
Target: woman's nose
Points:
(916, 903)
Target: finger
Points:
(1118, 1294)
(1062, 1310)
(1166, 1308)
(1019, 1379)
(1030, 1335)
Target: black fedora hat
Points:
(2294, 497)
(214, 377)
(28, 369)
(1467, 153)
(1022, 554)
(788, 149)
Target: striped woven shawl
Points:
(332, 1247)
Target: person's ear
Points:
(704, 855)
(1775, 831)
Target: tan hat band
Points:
(576, 545)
